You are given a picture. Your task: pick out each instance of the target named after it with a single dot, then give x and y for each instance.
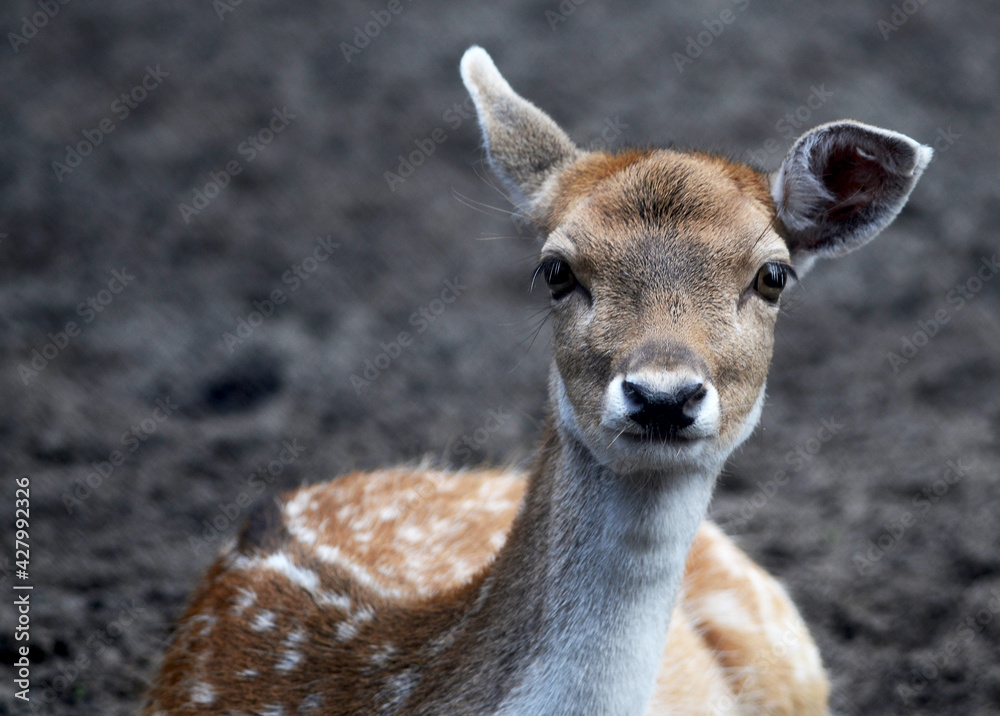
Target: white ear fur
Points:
(841, 184)
(524, 145)
(481, 76)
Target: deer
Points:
(592, 582)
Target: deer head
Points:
(666, 268)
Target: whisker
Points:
(488, 179)
(496, 238)
(527, 318)
(617, 436)
(481, 205)
(534, 336)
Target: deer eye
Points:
(558, 276)
(771, 280)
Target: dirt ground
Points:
(167, 170)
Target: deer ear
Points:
(841, 184)
(523, 144)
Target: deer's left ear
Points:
(841, 184)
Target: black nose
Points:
(664, 414)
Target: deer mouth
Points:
(658, 435)
(656, 442)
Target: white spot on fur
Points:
(282, 563)
(312, 702)
(461, 569)
(207, 620)
(264, 621)
(246, 598)
(496, 506)
(298, 504)
(203, 693)
(333, 555)
(247, 673)
(724, 609)
(296, 524)
(398, 689)
(498, 539)
(383, 654)
(300, 531)
(331, 599)
(292, 656)
(348, 629)
(273, 710)
(412, 533)
(289, 660)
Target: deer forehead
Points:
(670, 239)
(663, 218)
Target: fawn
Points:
(595, 585)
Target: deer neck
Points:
(577, 604)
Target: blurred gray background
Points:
(871, 488)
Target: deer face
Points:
(665, 278)
(666, 268)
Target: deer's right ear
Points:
(525, 147)
(841, 184)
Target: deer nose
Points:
(663, 413)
